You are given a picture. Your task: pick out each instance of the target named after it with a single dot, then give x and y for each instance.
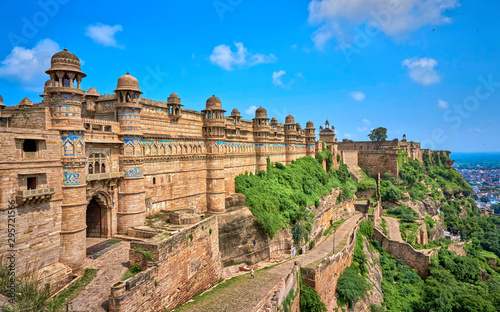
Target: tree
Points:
(379, 134)
(484, 199)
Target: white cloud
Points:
(475, 130)
(358, 96)
(223, 56)
(366, 122)
(443, 104)
(28, 66)
(422, 70)
(251, 110)
(104, 34)
(365, 129)
(396, 18)
(277, 78)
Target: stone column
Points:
(74, 204)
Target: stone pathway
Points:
(242, 293)
(112, 265)
(393, 227)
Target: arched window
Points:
(91, 169)
(97, 167)
(103, 168)
(128, 98)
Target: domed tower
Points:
(310, 138)
(64, 100)
(2, 106)
(214, 127)
(132, 194)
(235, 117)
(90, 99)
(174, 107)
(290, 138)
(261, 130)
(327, 134)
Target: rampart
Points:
(405, 252)
(275, 298)
(172, 275)
(379, 162)
(323, 274)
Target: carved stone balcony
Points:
(105, 176)
(35, 196)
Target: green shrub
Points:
(352, 286)
(310, 301)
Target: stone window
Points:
(29, 146)
(154, 181)
(98, 163)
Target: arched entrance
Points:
(93, 219)
(98, 215)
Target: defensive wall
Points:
(274, 300)
(181, 266)
(415, 259)
(323, 274)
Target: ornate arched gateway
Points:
(98, 215)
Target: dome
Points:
(273, 120)
(309, 124)
(127, 82)
(174, 99)
(298, 126)
(214, 103)
(65, 61)
(235, 113)
(261, 112)
(48, 83)
(92, 92)
(289, 119)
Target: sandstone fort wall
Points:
(176, 275)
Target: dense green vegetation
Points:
(455, 283)
(430, 179)
(310, 300)
(353, 283)
(280, 196)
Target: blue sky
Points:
(428, 69)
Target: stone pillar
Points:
(131, 195)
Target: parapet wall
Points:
(323, 276)
(405, 252)
(274, 299)
(173, 275)
(350, 158)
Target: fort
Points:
(82, 165)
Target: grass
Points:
(383, 224)
(132, 271)
(211, 300)
(408, 230)
(334, 227)
(72, 291)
